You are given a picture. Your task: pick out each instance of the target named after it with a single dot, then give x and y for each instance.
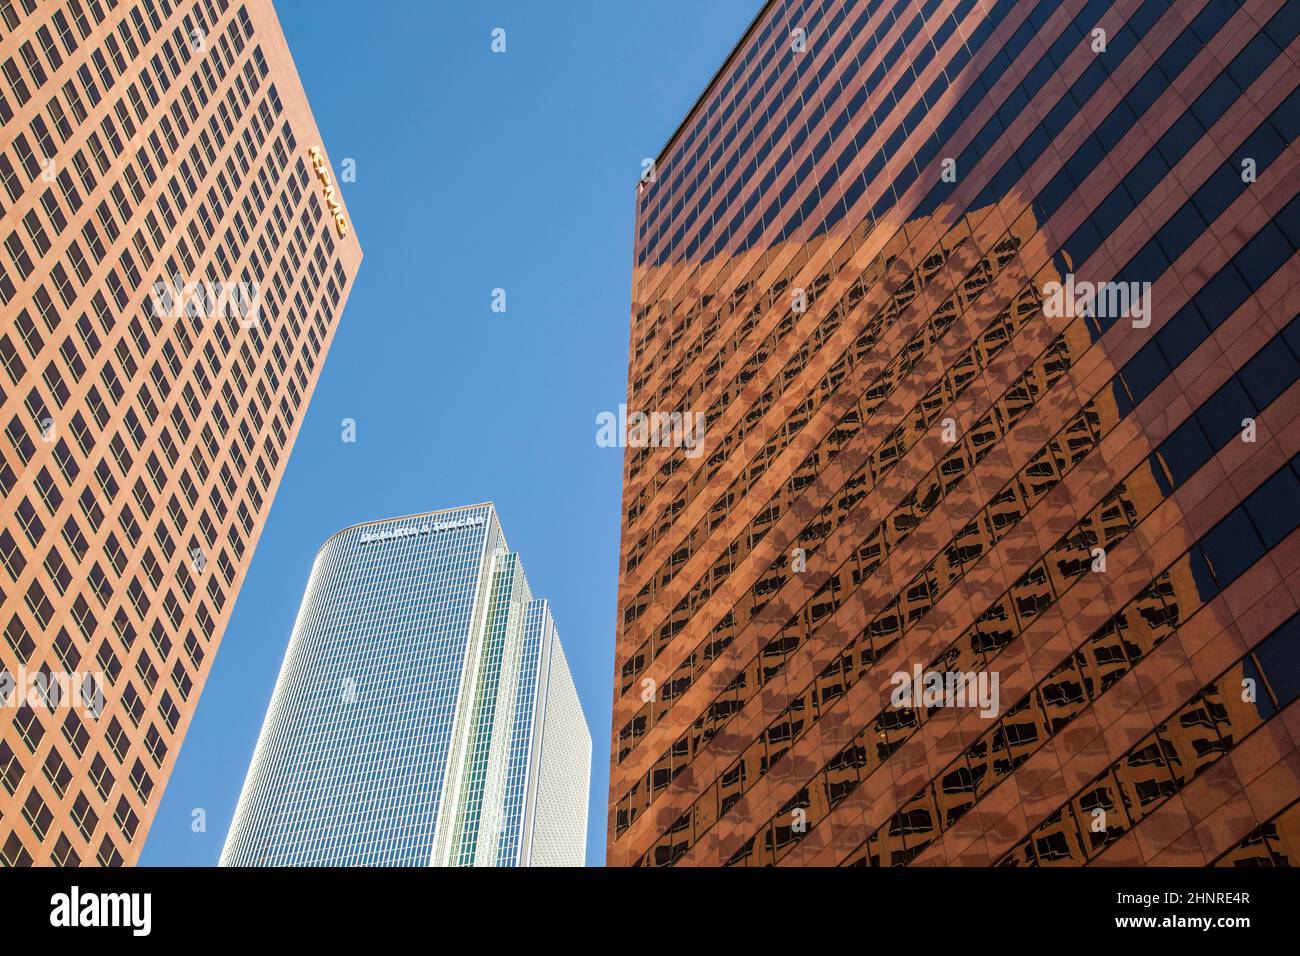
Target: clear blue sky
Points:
(474, 171)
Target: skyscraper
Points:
(176, 259)
(991, 553)
(424, 714)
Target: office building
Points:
(424, 714)
(176, 260)
(990, 556)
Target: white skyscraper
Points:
(424, 713)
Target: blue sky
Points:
(475, 171)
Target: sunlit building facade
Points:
(424, 715)
(990, 309)
(173, 270)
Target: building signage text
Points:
(411, 531)
(331, 193)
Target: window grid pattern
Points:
(741, 669)
(390, 736)
(141, 453)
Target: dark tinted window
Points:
(1279, 655)
(1222, 414)
(1231, 547)
(1275, 507)
(1269, 373)
(1185, 451)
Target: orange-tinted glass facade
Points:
(990, 308)
(143, 142)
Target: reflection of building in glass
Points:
(912, 461)
(144, 148)
(1275, 843)
(424, 713)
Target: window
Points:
(108, 854)
(169, 712)
(14, 853)
(33, 63)
(84, 816)
(148, 673)
(75, 734)
(125, 818)
(36, 232)
(11, 769)
(101, 777)
(108, 661)
(156, 744)
(9, 178)
(133, 703)
(16, 82)
(58, 571)
(10, 555)
(181, 678)
(116, 739)
(56, 772)
(65, 33)
(37, 814)
(39, 604)
(18, 253)
(141, 780)
(50, 203)
(19, 639)
(63, 854)
(29, 726)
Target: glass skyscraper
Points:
(853, 259)
(424, 713)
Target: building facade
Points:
(176, 260)
(991, 556)
(424, 714)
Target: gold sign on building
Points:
(331, 194)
